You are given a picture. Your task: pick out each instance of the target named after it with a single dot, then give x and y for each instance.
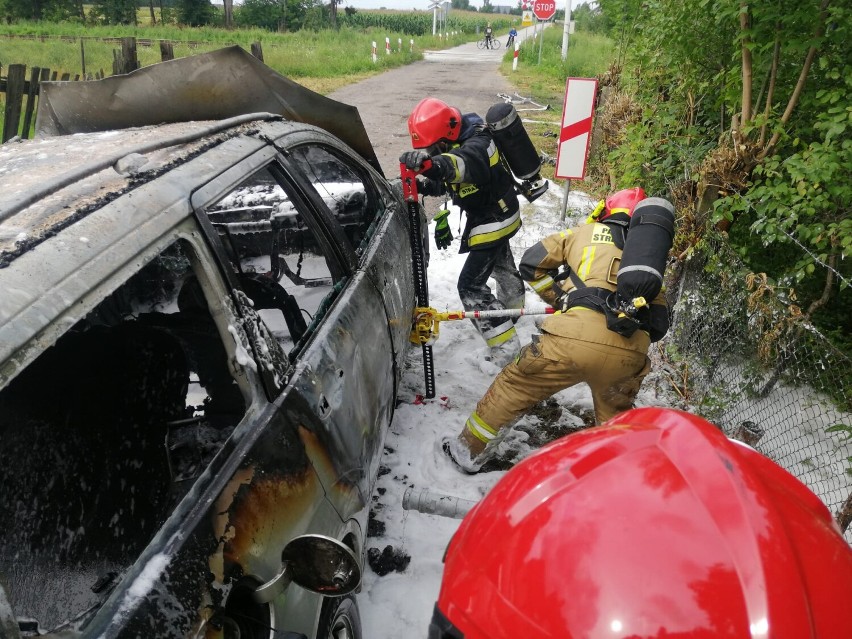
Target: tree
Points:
(587, 18)
(42, 9)
(114, 11)
(194, 13)
(280, 15)
(743, 110)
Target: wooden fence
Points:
(18, 112)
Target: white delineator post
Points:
(411, 45)
(387, 46)
(399, 44)
(515, 57)
(576, 132)
(375, 58)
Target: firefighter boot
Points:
(457, 450)
(504, 353)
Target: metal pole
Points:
(540, 42)
(565, 200)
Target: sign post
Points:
(576, 132)
(543, 10)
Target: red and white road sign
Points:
(576, 133)
(544, 9)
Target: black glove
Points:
(426, 186)
(414, 159)
(442, 169)
(443, 234)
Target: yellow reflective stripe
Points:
(566, 233)
(492, 236)
(586, 262)
(593, 216)
(479, 429)
(467, 189)
(502, 337)
(493, 155)
(544, 283)
(459, 166)
(621, 210)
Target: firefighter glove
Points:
(442, 169)
(443, 234)
(414, 159)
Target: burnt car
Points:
(203, 321)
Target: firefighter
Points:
(577, 344)
(652, 525)
(465, 164)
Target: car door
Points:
(299, 269)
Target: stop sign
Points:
(544, 9)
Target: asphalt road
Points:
(465, 77)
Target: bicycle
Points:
(484, 44)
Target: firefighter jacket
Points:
(593, 256)
(480, 185)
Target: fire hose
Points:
(435, 503)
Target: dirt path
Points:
(464, 77)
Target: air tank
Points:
(516, 148)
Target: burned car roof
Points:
(211, 86)
(50, 184)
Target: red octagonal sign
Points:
(544, 9)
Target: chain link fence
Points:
(746, 359)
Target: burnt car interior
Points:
(104, 433)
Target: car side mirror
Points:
(317, 563)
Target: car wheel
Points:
(340, 619)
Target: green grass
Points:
(589, 56)
(320, 60)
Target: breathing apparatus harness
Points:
(622, 316)
(640, 275)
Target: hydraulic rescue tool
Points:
(418, 262)
(426, 324)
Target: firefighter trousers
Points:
(549, 364)
(498, 262)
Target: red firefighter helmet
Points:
(432, 121)
(618, 206)
(651, 525)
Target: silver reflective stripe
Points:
(642, 268)
(502, 333)
(484, 229)
(461, 169)
(482, 431)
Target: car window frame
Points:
(337, 250)
(376, 196)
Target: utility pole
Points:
(566, 30)
(434, 6)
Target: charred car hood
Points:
(211, 86)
